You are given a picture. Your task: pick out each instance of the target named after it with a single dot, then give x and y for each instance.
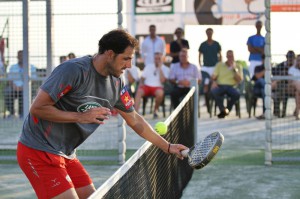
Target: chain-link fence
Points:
(76, 26)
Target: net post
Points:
(49, 26)
(268, 89)
(26, 60)
(194, 83)
(121, 139)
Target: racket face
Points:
(203, 152)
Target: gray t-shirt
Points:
(74, 86)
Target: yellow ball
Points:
(161, 128)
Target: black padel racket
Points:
(204, 151)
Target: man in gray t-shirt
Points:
(74, 100)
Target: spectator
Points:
(132, 78)
(295, 71)
(2, 60)
(152, 44)
(71, 55)
(210, 50)
(259, 84)
(151, 83)
(14, 90)
(62, 59)
(177, 45)
(256, 44)
(280, 87)
(227, 75)
(181, 74)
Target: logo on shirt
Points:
(87, 106)
(125, 98)
(65, 91)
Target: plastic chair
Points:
(251, 99)
(207, 95)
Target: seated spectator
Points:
(295, 71)
(226, 76)
(181, 74)
(71, 55)
(132, 77)
(151, 83)
(280, 90)
(62, 59)
(14, 90)
(259, 84)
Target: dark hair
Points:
(71, 54)
(209, 29)
(152, 26)
(180, 29)
(258, 21)
(116, 40)
(290, 53)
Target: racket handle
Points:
(185, 152)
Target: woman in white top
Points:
(295, 71)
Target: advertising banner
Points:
(153, 7)
(285, 5)
(224, 12)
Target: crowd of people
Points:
(220, 78)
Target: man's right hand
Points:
(95, 115)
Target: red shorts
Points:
(50, 174)
(149, 90)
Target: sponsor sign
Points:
(153, 7)
(285, 5)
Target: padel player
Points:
(74, 100)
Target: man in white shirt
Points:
(132, 77)
(14, 90)
(151, 83)
(152, 44)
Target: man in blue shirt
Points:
(256, 44)
(14, 90)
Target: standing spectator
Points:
(71, 55)
(295, 71)
(256, 44)
(280, 87)
(152, 44)
(151, 83)
(210, 50)
(227, 75)
(259, 85)
(14, 90)
(181, 74)
(177, 45)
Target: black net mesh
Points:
(156, 174)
